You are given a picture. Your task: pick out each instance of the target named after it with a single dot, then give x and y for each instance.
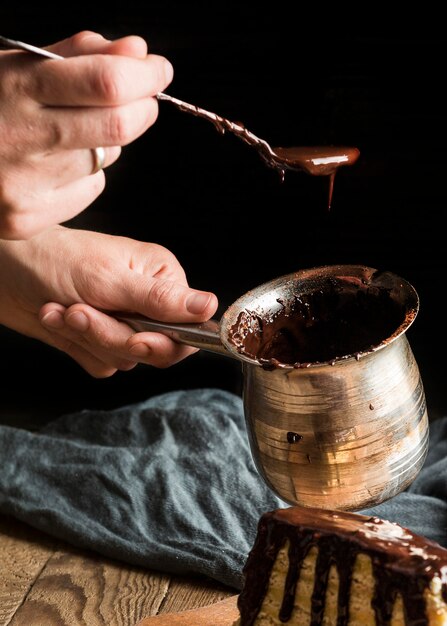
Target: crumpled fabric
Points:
(170, 484)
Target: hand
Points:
(55, 286)
(54, 112)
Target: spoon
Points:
(314, 160)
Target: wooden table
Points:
(45, 582)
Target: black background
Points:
(295, 75)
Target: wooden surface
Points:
(45, 582)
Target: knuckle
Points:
(77, 41)
(15, 226)
(120, 126)
(167, 263)
(109, 80)
(54, 135)
(57, 137)
(162, 295)
(7, 201)
(126, 123)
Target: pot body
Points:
(333, 398)
(345, 435)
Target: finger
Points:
(92, 365)
(107, 336)
(64, 167)
(89, 42)
(157, 350)
(88, 127)
(109, 340)
(103, 337)
(167, 300)
(56, 206)
(99, 80)
(162, 299)
(65, 94)
(52, 318)
(51, 315)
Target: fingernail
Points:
(53, 319)
(197, 302)
(140, 350)
(169, 71)
(78, 321)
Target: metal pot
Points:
(345, 431)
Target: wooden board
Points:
(223, 613)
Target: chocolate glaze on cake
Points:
(403, 563)
(334, 322)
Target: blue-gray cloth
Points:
(170, 484)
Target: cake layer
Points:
(317, 567)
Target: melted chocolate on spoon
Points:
(314, 160)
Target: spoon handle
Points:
(12, 44)
(205, 335)
(221, 123)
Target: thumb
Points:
(169, 301)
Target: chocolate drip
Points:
(403, 563)
(334, 322)
(388, 585)
(385, 594)
(345, 581)
(297, 554)
(331, 188)
(324, 560)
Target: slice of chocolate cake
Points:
(312, 566)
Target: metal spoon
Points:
(315, 160)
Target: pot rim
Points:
(307, 280)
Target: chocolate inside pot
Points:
(335, 321)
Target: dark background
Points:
(295, 76)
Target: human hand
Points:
(55, 287)
(54, 112)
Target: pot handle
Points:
(205, 335)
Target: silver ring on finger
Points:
(99, 159)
